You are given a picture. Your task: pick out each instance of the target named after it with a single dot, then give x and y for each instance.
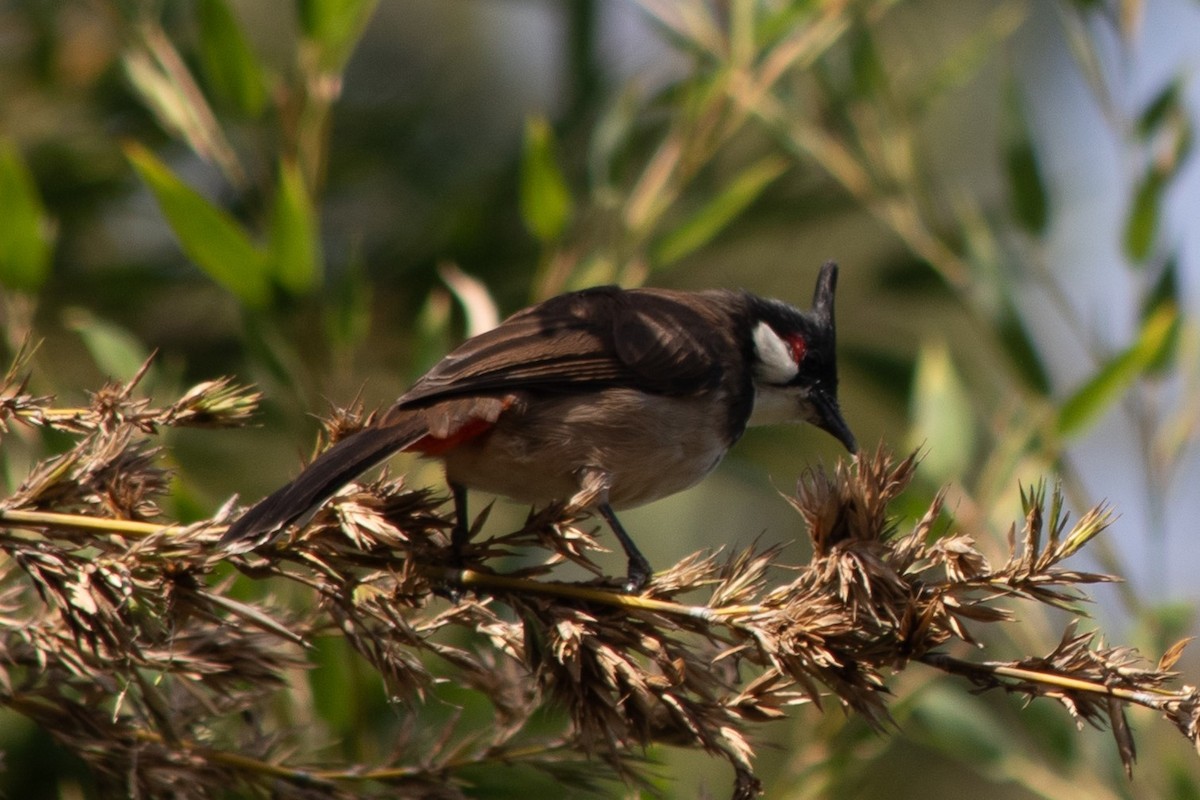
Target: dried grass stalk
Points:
(131, 651)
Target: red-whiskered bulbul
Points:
(604, 398)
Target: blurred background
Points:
(322, 198)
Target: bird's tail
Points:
(331, 470)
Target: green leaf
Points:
(777, 22)
(1163, 294)
(1100, 391)
(1026, 186)
(295, 247)
(867, 67)
(1142, 224)
(117, 352)
(1165, 289)
(1166, 126)
(1052, 733)
(163, 81)
(1166, 104)
(1160, 625)
(611, 135)
(971, 54)
(335, 26)
(960, 724)
(596, 269)
(25, 239)
(431, 334)
(347, 308)
(545, 199)
(1181, 781)
(208, 235)
(942, 419)
(718, 213)
(1022, 352)
(230, 66)
(1182, 142)
(342, 693)
(162, 94)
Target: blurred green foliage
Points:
(269, 190)
(24, 241)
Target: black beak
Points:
(829, 419)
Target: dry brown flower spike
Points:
(125, 636)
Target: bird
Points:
(604, 398)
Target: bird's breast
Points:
(650, 446)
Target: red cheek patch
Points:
(798, 347)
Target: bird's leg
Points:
(639, 570)
(460, 534)
(593, 493)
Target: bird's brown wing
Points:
(583, 341)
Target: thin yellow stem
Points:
(55, 413)
(49, 519)
(482, 580)
(1151, 698)
(462, 577)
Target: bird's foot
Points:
(637, 576)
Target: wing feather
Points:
(586, 340)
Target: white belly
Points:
(650, 447)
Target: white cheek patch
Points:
(775, 363)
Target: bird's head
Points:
(794, 362)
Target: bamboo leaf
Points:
(335, 26)
(1026, 186)
(953, 722)
(295, 247)
(348, 308)
(1020, 348)
(25, 238)
(545, 200)
(1166, 127)
(117, 352)
(1158, 111)
(207, 234)
(1164, 293)
(1099, 392)
(164, 82)
(718, 213)
(232, 70)
(1142, 224)
(867, 66)
(942, 420)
